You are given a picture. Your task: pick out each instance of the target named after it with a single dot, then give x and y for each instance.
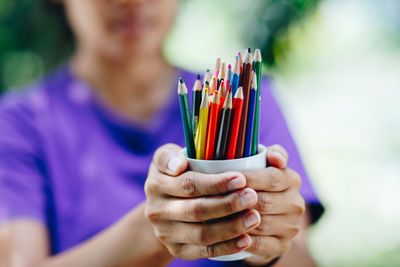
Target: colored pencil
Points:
(186, 118)
(221, 74)
(240, 62)
(228, 77)
(247, 75)
(213, 85)
(196, 99)
(251, 114)
(207, 76)
(236, 117)
(217, 67)
(222, 93)
(236, 75)
(258, 70)
(201, 133)
(212, 127)
(222, 140)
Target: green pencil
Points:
(186, 118)
(257, 67)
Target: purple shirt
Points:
(73, 164)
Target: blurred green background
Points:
(335, 67)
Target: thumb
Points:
(277, 156)
(170, 160)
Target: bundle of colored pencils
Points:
(223, 122)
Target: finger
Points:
(170, 160)
(268, 246)
(211, 232)
(277, 156)
(281, 226)
(286, 202)
(269, 179)
(195, 184)
(208, 208)
(191, 252)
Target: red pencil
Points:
(247, 71)
(212, 126)
(222, 93)
(236, 116)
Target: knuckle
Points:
(295, 178)
(293, 231)
(152, 215)
(176, 251)
(256, 242)
(220, 184)
(196, 211)
(203, 236)
(189, 185)
(150, 187)
(274, 178)
(232, 203)
(265, 224)
(237, 227)
(265, 202)
(209, 251)
(161, 235)
(299, 206)
(160, 157)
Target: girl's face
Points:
(120, 29)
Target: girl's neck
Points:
(136, 87)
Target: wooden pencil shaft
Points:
(250, 123)
(220, 147)
(187, 125)
(247, 71)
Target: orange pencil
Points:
(212, 126)
(236, 116)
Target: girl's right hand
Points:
(183, 207)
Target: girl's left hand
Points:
(280, 205)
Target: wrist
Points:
(140, 238)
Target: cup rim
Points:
(261, 149)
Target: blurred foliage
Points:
(34, 36)
(271, 21)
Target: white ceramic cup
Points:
(258, 161)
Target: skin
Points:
(119, 54)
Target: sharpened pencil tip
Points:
(249, 50)
(180, 80)
(198, 76)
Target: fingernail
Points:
(236, 183)
(248, 198)
(174, 163)
(243, 242)
(279, 155)
(250, 220)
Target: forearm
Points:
(129, 242)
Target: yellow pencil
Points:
(201, 132)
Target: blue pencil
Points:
(235, 76)
(251, 115)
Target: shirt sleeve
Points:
(274, 130)
(21, 168)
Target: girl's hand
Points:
(183, 205)
(280, 204)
